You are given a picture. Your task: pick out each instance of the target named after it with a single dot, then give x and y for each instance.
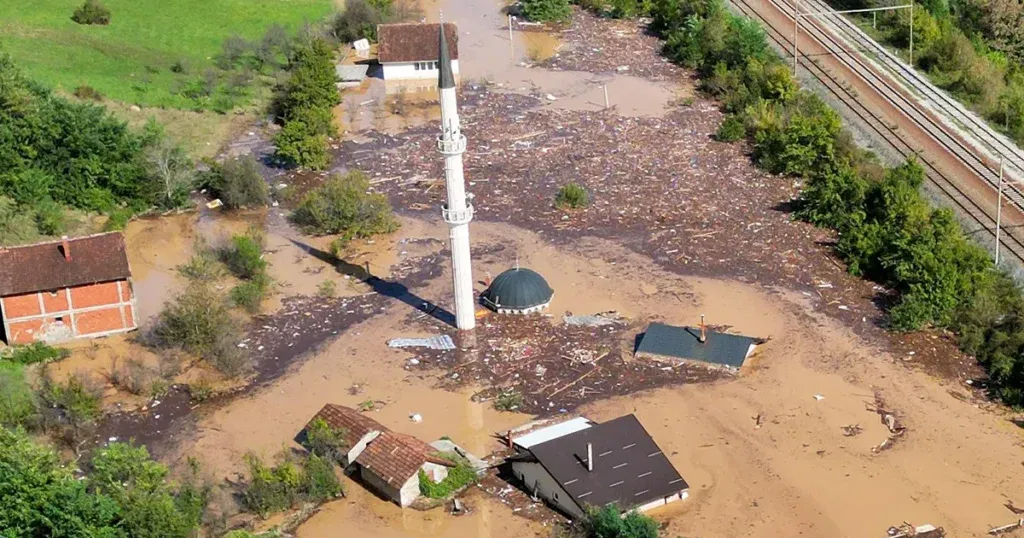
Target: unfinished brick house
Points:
(66, 289)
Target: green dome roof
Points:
(518, 290)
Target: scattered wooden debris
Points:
(906, 530)
(1003, 529)
(852, 430)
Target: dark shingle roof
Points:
(41, 267)
(414, 41)
(517, 289)
(684, 343)
(629, 468)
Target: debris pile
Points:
(551, 368)
(624, 46)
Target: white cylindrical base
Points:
(462, 275)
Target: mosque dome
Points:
(518, 291)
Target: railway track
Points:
(949, 187)
(994, 144)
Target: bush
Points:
(17, 226)
(249, 294)
(33, 353)
(88, 93)
(546, 10)
(459, 476)
(77, 400)
(244, 255)
(118, 219)
(277, 488)
(199, 322)
(297, 146)
(343, 206)
(358, 21)
(327, 288)
(150, 505)
(731, 129)
(132, 375)
(606, 522)
(92, 12)
(571, 196)
(238, 183)
(17, 402)
(325, 441)
(509, 400)
(203, 266)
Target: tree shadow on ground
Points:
(395, 290)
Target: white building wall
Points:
(408, 71)
(358, 448)
(536, 479)
(375, 482)
(662, 502)
(410, 491)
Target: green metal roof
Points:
(684, 343)
(517, 289)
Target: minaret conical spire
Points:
(445, 78)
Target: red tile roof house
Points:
(387, 461)
(66, 289)
(408, 50)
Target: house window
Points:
(59, 319)
(416, 66)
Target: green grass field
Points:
(130, 60)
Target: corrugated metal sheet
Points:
(443, 342)
(553, 432)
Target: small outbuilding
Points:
(408, 51)
(66, 289)
(578, 463)
(518, 291)
(714, 349)
(386, 461)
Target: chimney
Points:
(703, 330)
(66, 246)
(590, 457)
(508, 438)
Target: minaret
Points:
(457, 212)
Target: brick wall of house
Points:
(78, 312)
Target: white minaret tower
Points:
(457, 212)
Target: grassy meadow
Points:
(131, 59)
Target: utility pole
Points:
(511, 43)
(999, 208)
(796, 33)
(911, 33)
(606, 96)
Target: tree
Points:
(343, 206)
(92, 12)
(172, 173)
(607, 522)
(546, 10)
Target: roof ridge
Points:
(60, 240)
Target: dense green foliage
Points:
(56, 153)
(76, 401)
(33, 353)
(972, 48)
(18, 405)
(508, 400)
(244, 258)
(546, 10)
(144, 57)
(292, 480)
(731, 129)
(199, 322)
(571, 196)
(237, 182)
(325, 441)
(459, 476)
(126, 494)
(304, 103)
(607, 522)
(92, 12)
(343, 206)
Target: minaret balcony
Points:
(452, 146)
(456, 217)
